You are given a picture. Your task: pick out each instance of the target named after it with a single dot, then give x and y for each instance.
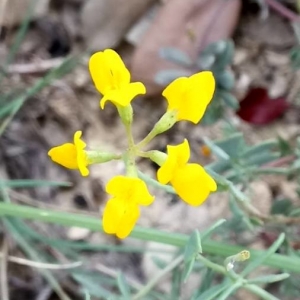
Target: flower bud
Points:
(158, 157)
(166, 122)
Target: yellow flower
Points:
(71, 156)
(112, 78)
(190, 95)
(190, 181)
(122, 210)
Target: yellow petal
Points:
(139, 192)
(113, 214)
(197, 97)
(193, 184)
(64, 155)
(117, 186)
(128, 221)
(178, 156)
(108, 71)
(181, 152)
(132, 190)
(166, 172)
(174, 92)
(78, 142)
(82, 164)
(119, 217)
(190, 96)
(82, 160)
(124, 95)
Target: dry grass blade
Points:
(40, 265)
(3, 271)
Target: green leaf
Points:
(230, 100)
(226, 56)
(260, 292)
(188, 268)
(205, 61)
(259, 260)
(264, 147)
(176, 283)
(176, 56)
(237, 193)
(232, 145)
(260, 159)
(205, 234)
(220, 180)
(282, 207)
(91, 285)
(213, 292)
(220, 166)
(295, 57)
(269, 278)
(192, 249)
(243, 223)
(123, 286)
(295, 212)
(216, 149)
(193, 246)
(87, 295)
(159, 262)
(225, 80)
(216, 48)
(207, 278)
(232, 288)
(167, 76)
(284, 147)
(213, 113)
(28, 183)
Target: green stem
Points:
(278, 261)
(209, 264)
(230, 290)
(148, 287)
(260, 292)
(99, 157)
(129, 135)
(151, 135)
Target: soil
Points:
(50, 118)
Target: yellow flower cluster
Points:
(187, 98)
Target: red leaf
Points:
(259, 109)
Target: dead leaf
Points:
(13, 12)
(187, 25)
(105, 22)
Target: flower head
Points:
(71, 156)
(190, 95)
(112, 78)
(122, 210)
(190, 181)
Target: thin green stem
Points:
(260, 292)
(129, 136)
(148, 287)
(151, 135)
(209, 264)
(230, 290)
(162, 125)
